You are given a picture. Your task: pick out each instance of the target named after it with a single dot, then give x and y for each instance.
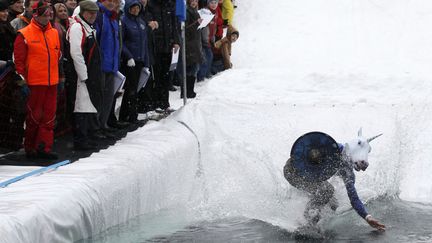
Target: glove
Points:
(131, 63)
(25, 90)
(60, 87)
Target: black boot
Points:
(190, 84)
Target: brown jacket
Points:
(225, 46)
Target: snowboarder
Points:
(315, 157)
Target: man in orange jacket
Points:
(37, 53)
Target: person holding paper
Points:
(193, 47)
(135, 57)
(146, 94)
(166, 39)
(107, 35)
(208, 39)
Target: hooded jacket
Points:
(134, 33)
(224, 46)
(228, 12)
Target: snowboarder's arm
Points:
(356, 203)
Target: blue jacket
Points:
(346, 172)
(134, 33)
(107, 35)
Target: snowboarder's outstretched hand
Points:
(375, 223)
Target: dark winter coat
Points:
(147, 17)
(7, 38)
(134, 32)
(163, 11)
(193, 38)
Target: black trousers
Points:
(128, 109)
(162, 80)
(84, 124)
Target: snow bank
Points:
(150, 169)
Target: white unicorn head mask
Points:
(357, 151)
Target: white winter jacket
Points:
(83, 103)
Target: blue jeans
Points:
(205, 68)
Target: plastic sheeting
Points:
(146, 171)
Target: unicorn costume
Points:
(315, 157)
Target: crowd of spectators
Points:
(59, 61)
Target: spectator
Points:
(61, 20)
(220, 23)
(16, 7)
(227, 12)
(112, 119)
(145, 96)
(166, 38)
(7, 35)
(86, 57)
(70, 5)
(193, 47)
(208, 40)
(215, 29)
(107, 34)
(135, 57)
(24, 19)
(61, 24)
(39, 69)
(12, 106)
(223, 61)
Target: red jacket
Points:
(216, 28)
(219, 22)
(37, 53)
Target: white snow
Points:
(299, 66)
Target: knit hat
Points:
(209, 1)
(40, 7)
(4, 4)
(88, 5)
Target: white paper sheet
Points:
(206, 17)
(174, 59)
(144, 76)
(119, 81)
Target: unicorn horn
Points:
(372, 138)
